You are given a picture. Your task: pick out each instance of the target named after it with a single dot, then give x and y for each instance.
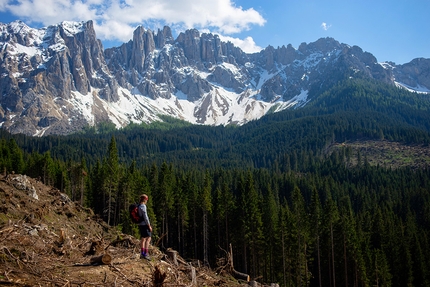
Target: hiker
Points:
(145, 228)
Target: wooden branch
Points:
(127, 241)
(159, 239)
(134, 282)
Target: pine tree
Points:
(206, 205)
(303, 239)
(270, 228)
(331, 218)
(255, 223)
(224, 205)
(16, 157)
(111, 169)
(164, 199)
(315, 225)
(181, 207)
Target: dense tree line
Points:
(326, 225)
(353, 109)
(293, 213)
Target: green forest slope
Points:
(335, 193)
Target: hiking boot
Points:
(142, 256)
(147, 257)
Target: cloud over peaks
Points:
(116, 19)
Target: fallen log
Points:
(236, 274)
(102, 259)
(240, 275)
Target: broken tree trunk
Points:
(236, 274)
(102, 259)
(193, 276)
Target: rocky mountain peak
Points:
(322, 45)
(58, 79)
(41, 71)
(163, 37)
(414, 75)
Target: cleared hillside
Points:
(48, 240)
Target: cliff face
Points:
(58, 79)
(42, 69)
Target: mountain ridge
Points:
(59, 79)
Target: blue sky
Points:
(396, 30)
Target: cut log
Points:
(240, 275)
(102, 259)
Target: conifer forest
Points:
(295, 210)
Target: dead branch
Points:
(134, 282)
(96, 247)
(126, 242)
(229, 266)
(159, 239)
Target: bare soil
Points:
(48, 240)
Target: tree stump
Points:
(172, 255)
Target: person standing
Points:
(145, 228)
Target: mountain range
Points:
(59, 79)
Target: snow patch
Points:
(72, 28)
(418, 89)
(84, 104)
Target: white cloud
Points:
(3, 4)
(116, 19)
(247, 45)
(325, 26)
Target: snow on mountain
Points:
(417, 89)
(412, 76)
(59, 79)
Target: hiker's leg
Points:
(147, 243)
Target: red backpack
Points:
(134, 213)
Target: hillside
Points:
(386, 154)
(48, 240)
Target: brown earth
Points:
(47, 240)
